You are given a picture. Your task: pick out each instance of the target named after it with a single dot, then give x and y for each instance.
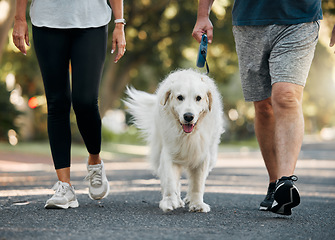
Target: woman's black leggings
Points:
(86, 50)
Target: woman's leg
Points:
(63, 174)
(53, 53)
(87, 59)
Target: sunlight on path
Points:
(233, 174)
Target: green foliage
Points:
(158, 34)
(328, 7)
(131, 136)
(159, 40)
(319, 97)
(8, 113)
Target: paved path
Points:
(234, 190)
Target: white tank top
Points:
(70, 13)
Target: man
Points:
(275, 43)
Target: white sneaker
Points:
(64, 197)
(99, 186)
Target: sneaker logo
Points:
(279, 186)
(274, 203)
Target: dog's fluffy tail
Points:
(141, 106)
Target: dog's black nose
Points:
(188, 117)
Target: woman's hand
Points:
(21, 35)
(119, 41)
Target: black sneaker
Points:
(286, 196)
(268, 200)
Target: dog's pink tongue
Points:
(188, 128)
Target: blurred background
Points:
(158, 34)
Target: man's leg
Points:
(289, 125)
(289, 61)
(265, 131)
(289, 130)
(279, 128)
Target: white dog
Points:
(182, 123)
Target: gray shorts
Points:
(274, 53)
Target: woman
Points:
(63, 32)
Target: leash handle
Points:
(202, 54)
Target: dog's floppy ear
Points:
(210, 100)
(166, 98)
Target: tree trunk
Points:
(114, 81)
(7, 12)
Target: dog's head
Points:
(188, 96)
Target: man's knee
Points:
(286, 95)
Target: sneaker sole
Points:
(72, 204)
(286, 197)
(98, 198)
(262, 208)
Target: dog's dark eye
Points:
(180, 98)
(198, 98)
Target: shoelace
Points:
(95, 176)
(59, 188)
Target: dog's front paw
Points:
(170, 203)
(187, 199)
(199, 207)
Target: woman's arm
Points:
(119, 39)
(20, 29)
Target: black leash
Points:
(203, 53)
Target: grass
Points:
(78, 150)
(251, 143)
(43, 148)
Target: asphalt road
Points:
(234, 190)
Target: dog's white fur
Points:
(160, 117)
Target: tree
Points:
(159, 40)
(7, 12)
(8, 113)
